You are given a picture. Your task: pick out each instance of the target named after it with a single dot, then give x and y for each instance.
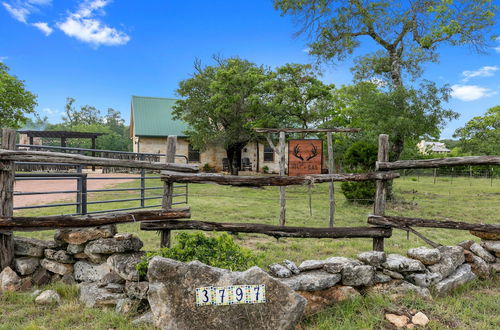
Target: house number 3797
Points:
(231, 295)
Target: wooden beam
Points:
(438, 162)
(381, 187)
(308, 130)
(58, 157)
(273, 180)
(331, 188)
(7, 177)
(168, 188)
(271, 230)
(282, 163)
(68, 221)
(397, 221)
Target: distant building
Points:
(151, 123)
(428, 147)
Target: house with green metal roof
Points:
(151, 122)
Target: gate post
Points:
(381, 193)
(168, 187)
(7, 175)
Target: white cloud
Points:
(3, 58)
(84, 26)
(19, 13)
(44, 27)
(485, 71)
(50, 112)
(470, 92)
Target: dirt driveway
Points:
(59, 185)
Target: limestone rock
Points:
(127, 306)
(479, 267)
(97, 258)
(115, 288)
(9, 280)
(425, 255)
(278, 270)
(398, 321)
(420, 319)
(75, 248)
(89, 272)
(26, 265)
(380, 277)
(68, 279)
(357, 275)
(311, 265)
(48, 297)
(398, 263)
(93, 296)
(462, 275)
(137, 290)
(398, 288)
(312, 281)
(466, 244)
(172, 286)
(336, 264)
(111, 277)
(492, 246)
(486, 235)
(424, 279)
(291, 266)
(392, 274)
(319, 300)
(114, 245)
(59, 256)
(144, 319)
(26, 283)
(56, 267)
(41, 277)
(124, 264)
(495, 268)
(482, 253)
(31, 247)
(83, 235)
(451, 258)
(372, 258)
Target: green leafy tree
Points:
(406, 35)
(15, 100)
(221, 103)
(481, 135)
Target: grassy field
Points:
(476, 306)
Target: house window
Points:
(193, 154)
(268, 154)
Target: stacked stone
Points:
(100, 260)
(323, 282)
(484, 257)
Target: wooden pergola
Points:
(62, 135)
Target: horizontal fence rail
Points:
(54, 222)
(273, 180)
(398, 221)
(275, 231)
(41, 156)
(438, 162)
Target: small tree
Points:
(220, 103)
(15, 100)
(481, 134)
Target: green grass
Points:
(476, 306)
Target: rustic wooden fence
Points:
(166, 219)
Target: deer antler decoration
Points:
(297, 153)
(314, 152)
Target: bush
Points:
(359, 192)
(218, 251)
(265, 169)
(360, 157)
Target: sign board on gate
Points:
(305, 157)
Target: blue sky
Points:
(101, 51)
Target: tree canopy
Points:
(15, 100)
(481, 134)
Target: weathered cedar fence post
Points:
(381, 192)
(168, 187)
(331, 167)
(282, 162)
(7, 198)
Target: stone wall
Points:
(102, 263)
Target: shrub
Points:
(207, 168)
(218, 251)
(360, 157)
(265, 169)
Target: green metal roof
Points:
(152, 116)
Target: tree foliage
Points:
(481, 134)
(15, 100)
(220, 103)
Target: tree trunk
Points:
(233, 153)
